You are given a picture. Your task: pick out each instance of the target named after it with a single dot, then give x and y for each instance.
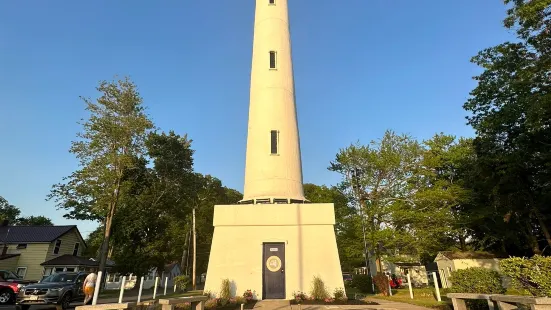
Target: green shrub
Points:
(181, 282)
(319, 292)
(531, 274)
(363, 283)
(476, 280)
(225, 293)
(211, 304)
(382, 284)
(339, 294)
(240, 300)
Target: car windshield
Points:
(61, 277)
(8, 275)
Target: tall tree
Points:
(376, 177)
(8, 211)
(511, 113)
(12, 213)
(347, 229)
(107, 148)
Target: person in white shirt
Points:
(89, 286)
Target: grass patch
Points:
(421, 297)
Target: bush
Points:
(225, 293)
(531, 274)
(181, 282)
(319, 292)
(300, 297)
(211, 303)
(339, 294)
(476, 280)
(248, 295)
(240, 300)
(381, 282)
(363, 283)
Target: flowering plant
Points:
(300, 296)
(328, 300)
(248, 295)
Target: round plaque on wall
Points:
(273, 263)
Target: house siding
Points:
(31, 258)
(68, 241)
(9, 263)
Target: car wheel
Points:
(65, 301)
(6, 296)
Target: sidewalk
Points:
(388, 304)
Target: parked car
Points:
(10, 284)
(57, 289)
(346, 277)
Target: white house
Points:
(450, 261)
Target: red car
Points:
(10, 284)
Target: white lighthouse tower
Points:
(273, 242)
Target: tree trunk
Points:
(543, 227)
(184, 255)
(108, 222)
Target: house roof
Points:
(70, 260)
(467, 255)
(169, 267)
(6, 256)
(30, 234)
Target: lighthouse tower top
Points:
(273, 168)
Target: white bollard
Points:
(174, 287)
(242, 306)
(409, 284)
(389, 287)
(96, 291)
(166, 284)
(123, 283)
(155, 287)
(140, 292)
(436, 286)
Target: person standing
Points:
(89, 286)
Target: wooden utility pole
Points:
(194, 252)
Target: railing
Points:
(500, 302)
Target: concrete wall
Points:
(306, 230)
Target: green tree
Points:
(35, 221)
(8, 211)
(511, 113)
(376, 178)
(347, 229)
(12, 214)
(107, 148)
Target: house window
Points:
(75, 249)
(271, 2)
(273, 60)
(57, 246)
(70, 269)
(274, 135)
(59, 269)
(21, 246)
(21, 272)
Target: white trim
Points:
(17, 272)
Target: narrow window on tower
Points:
(274, 135)
(273, 62)
(271, 2)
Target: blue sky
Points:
(361, 67)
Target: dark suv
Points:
(58, 289)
